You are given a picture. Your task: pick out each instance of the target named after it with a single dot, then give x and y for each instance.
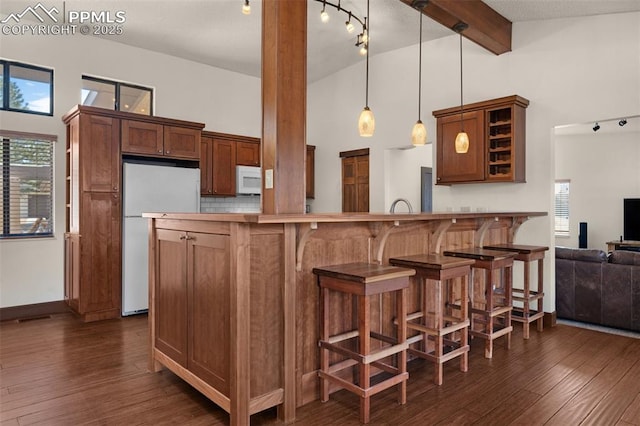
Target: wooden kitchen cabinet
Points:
(310, 172)
(497, 132)
(248, 153)
(221, 153)
(93, 246)
(192, 323)
(161, 138)
(355, 180)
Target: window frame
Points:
(564, 232)
(5, 191)
(117, 86)
(6, 87)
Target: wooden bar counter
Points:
(233, 302)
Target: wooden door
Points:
(224, 167)
(171, 295)
(208, 287)
(247, 154)
(355, 181)
(99, 149)
(142, 138)
(451, 166)
(181, 142)
(310, 172)
(100, 256)
(206, 166)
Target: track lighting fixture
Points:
(362, 40)
(324, 16)
(246, 8)
(596, 127)
(622, 122)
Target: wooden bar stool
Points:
(362, 280)
(443, 316)
(490, 316)
(526, 295)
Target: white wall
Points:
(571, 70)
(31, 271)
(604, 168)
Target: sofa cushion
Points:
(584, 255)
(623, 257)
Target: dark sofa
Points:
(596, 288)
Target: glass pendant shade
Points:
(419, 134)
(246, 8)
(462, 143)
(366, 123)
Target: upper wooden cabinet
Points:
(161, 138)
(310, 172)
(248, 153)
(496, 130)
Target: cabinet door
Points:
(355, 184)
(100, 256)
(140, 137)
(247, 154)
(206, 166)
(310, 171)
(208, 301)
(99, 148)
(181, 142)
(451, 166)
(224, 167)
(72, 269)
(171, 295)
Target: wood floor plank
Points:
(59, 371)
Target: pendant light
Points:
(366, 122)
(462, 139)
(419, 132)
(246, 8)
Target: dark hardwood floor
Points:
(59, 371)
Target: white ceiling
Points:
(215, 32)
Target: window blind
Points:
(562, 207)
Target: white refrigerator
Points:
(149, 188)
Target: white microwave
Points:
(248, 180)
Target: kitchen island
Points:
(233, 302)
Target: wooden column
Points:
(284, 105)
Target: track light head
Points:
(596, 127)
(622, 122)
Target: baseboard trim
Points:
(36, 310)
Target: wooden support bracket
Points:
(382, 239)
(304, 232)
(516, 221)
(482, 231)
(438, 235)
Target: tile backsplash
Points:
(241, 204)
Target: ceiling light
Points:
(349, 25)
(324, 16)
(596, 127)
(246, 8)
(622, 122)
(419, 132)
(363, 50)
(462, 139)
(366, 121)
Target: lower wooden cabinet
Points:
(192, 303)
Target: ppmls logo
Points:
(52, 22)
(38, 11)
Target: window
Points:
(26, 164)
(562, 207)
(116, 95)
(26, 88)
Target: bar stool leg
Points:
(508, 300)
(401, 307)
(324, 336)
(525, 307)
(488, 347)
(464, 314)
(364, 329)
(540, 290)
(439, 349)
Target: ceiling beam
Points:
(487, 27)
